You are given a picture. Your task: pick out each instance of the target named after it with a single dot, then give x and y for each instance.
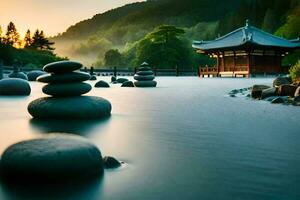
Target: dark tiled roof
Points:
(247, 35)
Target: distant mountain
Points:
(88, 40)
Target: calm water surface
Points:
(184, 139)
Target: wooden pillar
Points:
(199, 71)
(234, 63)
(218, 64)
(249, 63)
(223, 61)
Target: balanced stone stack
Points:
(65, 88)
(145, 76)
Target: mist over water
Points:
(185, 139)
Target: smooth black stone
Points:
(113, 79)
(144, 78)
(58, 157)
(145, 83)
(145, 73)
(66, 89)
(122, 80)
(81, 107)
(14, 86)
(110, 162)
(19, 75)
(33, 75)
(69, 77)
(144, 69)
(102, 84)
(127, 84)
(62, 67)
(93, 78)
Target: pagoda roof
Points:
(247, 36)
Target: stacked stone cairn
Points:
(145, 76)
(65, 86)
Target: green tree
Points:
(12, 36)
(113, 58)
(40, 42)
(27, 39)
(0, 35)
(164, 33)
(269, 23)
(295, 72)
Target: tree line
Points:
(12, 37)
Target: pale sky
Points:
(52, 16)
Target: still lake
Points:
(185, 139)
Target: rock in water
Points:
(121, 80)
(14, 86)
(127, 84)
(277, 100)
(102, 84)
(268, 92)
(145, 76)
(287, 90)
(110, 162)
(62, 67)
(93, 78)
(113, 79)
(257, 91)
(81, 107)
(145, 83)
(19, 75)
(33, 75)
(281, 80)
(58, 157)
(67, 89)
(70, 77)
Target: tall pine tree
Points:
(27, 39)
(12, 36)
(40, 42)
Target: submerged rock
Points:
(102, 84)
(19, 75)
(281, 80)
(62, 67)
(14, 86)
(81, 107)
(110, 162)
(54, 158)
(33, 75)
(93, 78)
(113, 79)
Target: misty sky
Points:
(52, 16)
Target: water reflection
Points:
(79, 127)
(71, 190)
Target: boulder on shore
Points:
(281, 80)
(257, 90)
(33, 75)
(268, 93)
(14, 86)
(58, 157)
(102, 84)
(287, 90)
(81, 107)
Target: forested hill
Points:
(119, 28)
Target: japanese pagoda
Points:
(245, 51)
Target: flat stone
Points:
(122, 80)
(66, 89)
(58, 157)
(144, 69)
(144, 78)
(268, 92)
(102, 84)
(127, 84)
(14, 86)
(81, 107)
(19, 75)
(69, 77)
(33, 75)
(145, 73)
(62, 67)
(257, 91)
(145, 83)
